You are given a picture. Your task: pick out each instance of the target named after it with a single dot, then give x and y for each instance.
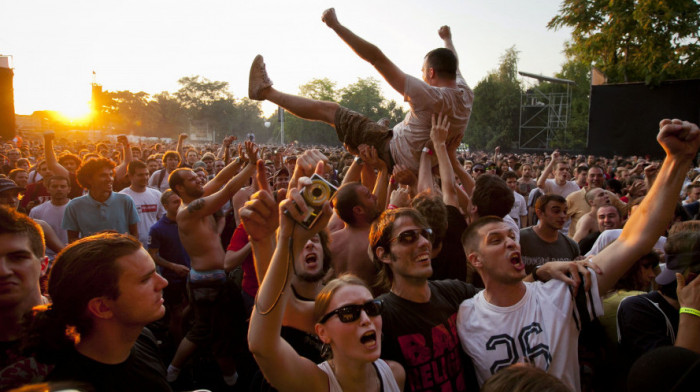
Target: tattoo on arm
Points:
(195, 206)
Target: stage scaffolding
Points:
(544, 115)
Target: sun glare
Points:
(76, 114)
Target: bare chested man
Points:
(358, 207)
(200, 237)
(588, 223)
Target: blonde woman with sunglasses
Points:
(348, 319)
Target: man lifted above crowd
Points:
(442, 90)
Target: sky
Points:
(147, 45)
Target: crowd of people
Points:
(156, 267)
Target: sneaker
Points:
(258, 79)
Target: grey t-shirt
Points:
(535, 251)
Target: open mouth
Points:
(311, 258)
(517, 261)
(369, 339)
(423, 258)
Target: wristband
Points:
(393, 207)
(359, 160)
(534, 274)
(426, 149)
(392, 180)
(692, 311)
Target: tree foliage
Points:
(495, 116)
(634, 40)
(202, 103)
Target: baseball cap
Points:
(6, 184)
(678, 262)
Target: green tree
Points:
(634, 40)
(495, 117)
(198, 92)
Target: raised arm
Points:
(180, 148)
(231, 169)
(354, 172)
(438, 134)
(368, 52)
(121, 169)
(51, 162)
(680, 140)
(689, 324)
(371, 158)
(467, 180)
(209, 204)
(278, 361)
(446, 34)
(425, 171)
(547, 170)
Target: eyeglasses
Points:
(478, 170)
(491, 168)
(410, 236)
(350, 313)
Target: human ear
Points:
(322, 333)
(99, 308)
(383, 255)
(475, 260)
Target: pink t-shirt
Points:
(413, 132)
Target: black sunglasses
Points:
(350, 313)
(410, 236)
(478, 170)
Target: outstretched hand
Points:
(680, 139)
(293, 210)
(688, 294)
(306, 164)
(439, 129)
(260, 214)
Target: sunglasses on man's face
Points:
(410, 236)
(350, 313)
(478, 170)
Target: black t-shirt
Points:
(9, 353)
(142, 371)
(423, 338)
(451, 262)
(642, 324)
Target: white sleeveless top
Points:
(385, 375)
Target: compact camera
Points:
(315, 195)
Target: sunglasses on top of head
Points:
(410, 236)
(350, 313)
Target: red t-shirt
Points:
(250, 280)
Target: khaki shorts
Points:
(354, 129)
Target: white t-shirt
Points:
(53, 215)
(607, 237)
(153, 180)
(519, 208)
(413, 132)
(542, 328)
(551, 186)
(149, 209)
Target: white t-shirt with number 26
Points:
(542, 329)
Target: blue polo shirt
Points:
(89, 216)
(164, 237)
